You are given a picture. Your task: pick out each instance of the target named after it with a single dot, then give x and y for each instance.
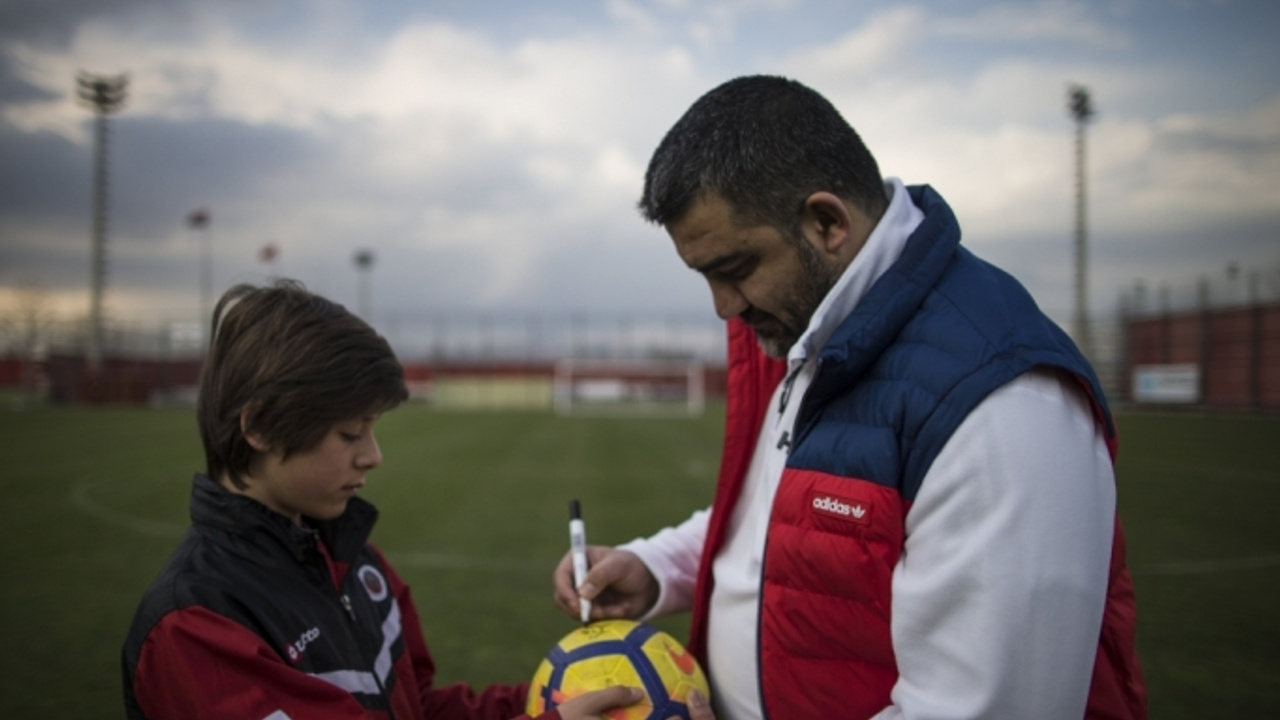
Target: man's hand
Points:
(618, 585)
(593, 705)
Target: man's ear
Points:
(833, 226)
(255, 439)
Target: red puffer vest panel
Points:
(824, 631)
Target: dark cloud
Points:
(159, 170)
(14, 89)
(48, 266)
(1204, 140)
(616, 268)
(163, 169)
(42, 174)
(1119, 261)
(54, 21)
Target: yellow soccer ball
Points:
(619, 652)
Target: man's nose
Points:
(728, 300)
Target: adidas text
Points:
(834, 506)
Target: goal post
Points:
(669, 388)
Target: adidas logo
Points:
(832, 506)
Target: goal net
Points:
(629, 387)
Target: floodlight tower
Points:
(364, 264)
(104, 94)
(200, 219)
(1080, 105)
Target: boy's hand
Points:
(618, 585)
(699, 708)
(593, 705)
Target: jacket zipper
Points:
(764, 710)
(345, 601)
(797, 430)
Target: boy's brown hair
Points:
(298, 364)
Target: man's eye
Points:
(351, 437)
(733, 274)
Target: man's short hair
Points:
(764, 144)
(298, 362)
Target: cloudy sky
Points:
(490, 154)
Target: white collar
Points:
(882, 249)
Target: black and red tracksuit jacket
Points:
(254, 617)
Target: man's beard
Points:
(777, 333)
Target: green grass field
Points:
(474, 514)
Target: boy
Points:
(275, 606)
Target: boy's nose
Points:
(371, 455)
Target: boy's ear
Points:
(255, 439)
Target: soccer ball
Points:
(619, 652)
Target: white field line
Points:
(82, 498)
(1226, 474)
(1217, 565)
(439, 561)
(1210, 567)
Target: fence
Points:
(1206, 344)
(443, 337)
(159, 360)
(1218, 347)
(1214, 357)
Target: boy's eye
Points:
(354, 430)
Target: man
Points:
(915, 515)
